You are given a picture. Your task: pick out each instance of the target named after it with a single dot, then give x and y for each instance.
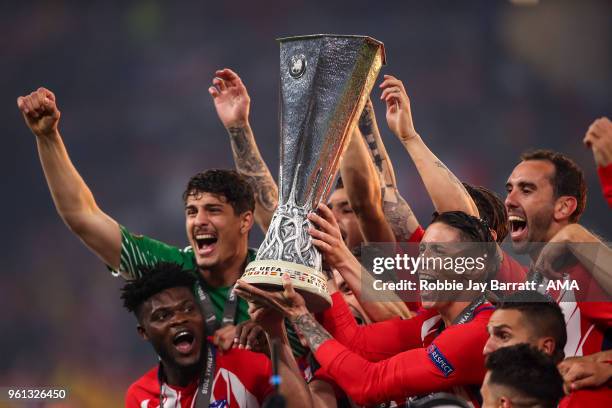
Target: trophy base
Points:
(267, 274)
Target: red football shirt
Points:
(600, 397)
(605, 177)
(241, 381)
(586, 321)
(511, 271)
(398, 358)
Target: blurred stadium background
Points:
(488, 79)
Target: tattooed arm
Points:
(312, 330)
(397, 212)
(362, 189)
(290, 304)
(328, 239)
(250, 164)
(232, 103)
(293, 386)
(445, 190)
(370, 341)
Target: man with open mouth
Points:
(170, 318)
(438, 350)
(546, 195)
(219, 213)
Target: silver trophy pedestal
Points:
(310, 283)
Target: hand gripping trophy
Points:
(325, 83)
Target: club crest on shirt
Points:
(219, 404)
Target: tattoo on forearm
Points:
(366, 127)
(451, 176)
(377, 158)
(250, 164)
(314, 333)
(366, 121)
(398, 214)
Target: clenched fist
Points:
(40, 112)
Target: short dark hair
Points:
(568, 179)
(542, 314)
(473, 229)
(527, 371)
(153, 280)
(228, 183)
(491, 208)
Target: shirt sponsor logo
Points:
(219, 404)
(439, 360)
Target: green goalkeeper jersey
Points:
(139, 250)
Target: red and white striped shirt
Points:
(241, 381)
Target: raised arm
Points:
(232, 103)
(375, 341)
(599, 139)
(327, 238)
(397, 212)
(292, 386)
(363, 190)
(73, 200)
(588, 249)
(362, 185)
(412, 372)
(445, 190)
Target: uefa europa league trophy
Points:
(325, 83)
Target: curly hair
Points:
(153, 280)
(491, 209)
(227, 183)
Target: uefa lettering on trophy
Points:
(325, 81)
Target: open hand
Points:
(288, 302)
(328, 238)
(399, 115)
(231, 98)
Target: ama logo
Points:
(562, 285)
